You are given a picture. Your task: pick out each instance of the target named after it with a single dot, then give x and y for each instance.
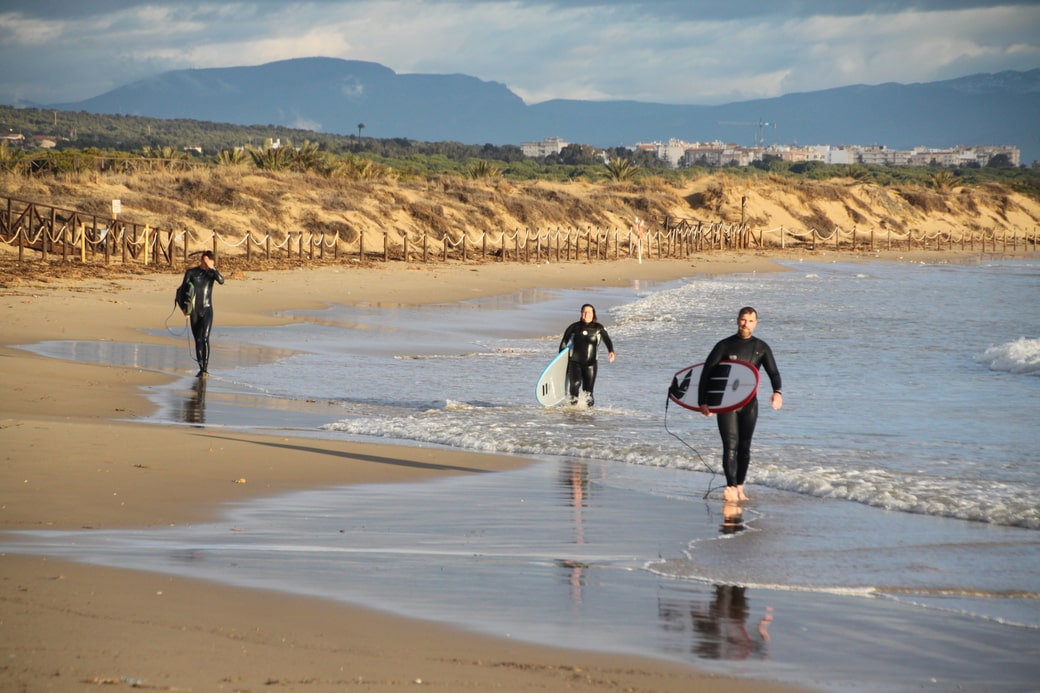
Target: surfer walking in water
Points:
(738, 426)
(584, 337)
(194, 298)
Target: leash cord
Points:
(186, 332)
(711, 481)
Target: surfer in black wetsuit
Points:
(737, 427)
(584, 338)
(194, 298)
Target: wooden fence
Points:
(78, 236)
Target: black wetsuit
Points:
(737, 427)
(584, 339)
(201, 314)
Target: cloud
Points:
(667, 51)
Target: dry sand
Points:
(68, 464)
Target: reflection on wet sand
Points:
(718, 630)
(193, 407)
(574, 480)
(732, 519)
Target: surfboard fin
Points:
(677, 390)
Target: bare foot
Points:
(740, 494)
(730, 494)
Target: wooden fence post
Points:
(65, 242)
(47, 236)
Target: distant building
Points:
(680, 154)
(834, 155)
(718, 154)
(967, 156)
(547, 147)
(44, 141)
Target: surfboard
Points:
(733, 384)
(552, 386)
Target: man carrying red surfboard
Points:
(738, 426)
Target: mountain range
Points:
(343, 96)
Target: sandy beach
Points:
(68, 464)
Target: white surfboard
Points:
(552, 386)
(733, 384)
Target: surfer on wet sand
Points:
(584, 337)
(194, 298)
(738, 426)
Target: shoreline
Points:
(71, 466)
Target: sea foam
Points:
(1019, 356)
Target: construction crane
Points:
(760, 140)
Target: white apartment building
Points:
(547, 147)
(681, 154)
(834, 155)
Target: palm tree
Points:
(234, 156)
(166, 155)
(622, 169)
(271, 157)
(943, 181)
(483, 168)
(360, 127)
(306, 157)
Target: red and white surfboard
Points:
(732, 385)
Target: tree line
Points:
(82, 139)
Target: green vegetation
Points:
(120, 143)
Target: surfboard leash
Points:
(713, 473)
(168, 329)
(186, 333)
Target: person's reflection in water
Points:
(574, 479)
(722, 627)
(732, 519)
(193, 410)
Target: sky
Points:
(666, 51)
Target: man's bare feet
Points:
(730, 494)
(740, 493)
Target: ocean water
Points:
(895, 497)
(913, 388)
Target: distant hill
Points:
(335, 96)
